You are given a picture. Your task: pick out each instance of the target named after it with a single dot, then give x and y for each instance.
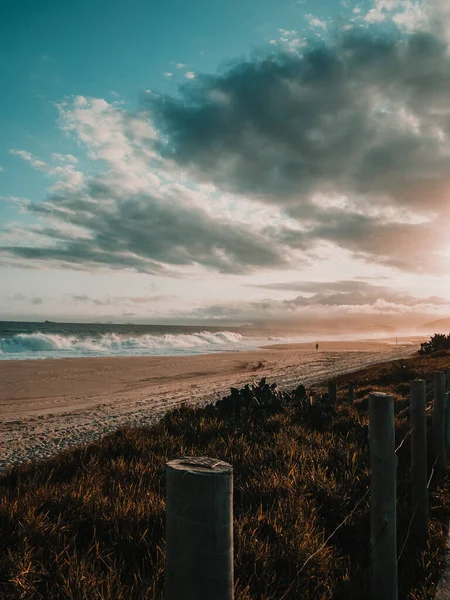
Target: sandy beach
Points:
(49, 405)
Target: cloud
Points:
(315, 21)
(408, 15)
(144, 233)
(168, 74)
(190, 75)
(267, 164)
(361, 121)
(375, 16)
(119, 300)
(19, 297)
(349, 292)
(327, 287)
(65, 158)
(129, 216)
(335, 306)
(1, 169)
(68, 177)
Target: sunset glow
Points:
(229, 181)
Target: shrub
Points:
(264, 399)
(438, 341)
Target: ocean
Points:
(21, 340)
(24, 340)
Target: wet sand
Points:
(48, 405)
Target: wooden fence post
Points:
(199, 529)
(447, 424)
(448, 380)
(383, 518)
(351, 386)
(419, 473)
(332, 392)
(438, 421)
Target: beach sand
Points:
(49, 405)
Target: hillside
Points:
(437, 326)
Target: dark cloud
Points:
(334, 306)
(333, 118)
(115, 300)
(348, 292)
(365, 117)
(406, 246)
(350, 140)
(327, 287)
(143, 233)
(23, 298)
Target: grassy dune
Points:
(89, 523)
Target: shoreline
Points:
(49, 405)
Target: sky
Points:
(236, 161)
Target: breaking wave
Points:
(52, 345)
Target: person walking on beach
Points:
(317, 347)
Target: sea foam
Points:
(53, 345)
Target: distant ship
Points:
(48, 321)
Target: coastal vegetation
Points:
(90, 522)
(438, 342)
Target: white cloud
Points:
(315, 21)
(64, 158)
(374, 16)
(180, 65)
(289, 41)
(411, 16)
(1, 169)
(66, 175)
(408, 15)
(168, 74)
(116, 137)
(287, 32)
(190, 75)
(139, 210)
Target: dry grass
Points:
(89, 523)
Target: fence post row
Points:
(199, 529)
(383, 518)
(447, 414)
(199, 514)
(419, 472)
(332, 394)
(438, 421)
(351, 386)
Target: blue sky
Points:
(97, 137)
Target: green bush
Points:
(438, 341)
(265, 399)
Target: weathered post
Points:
(351, 387)
(332, 392)
(448, 380)
(447, 424)
(199, 529)
(419, 474)
(438, 422)
(383, 521)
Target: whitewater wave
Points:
(48, 345)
